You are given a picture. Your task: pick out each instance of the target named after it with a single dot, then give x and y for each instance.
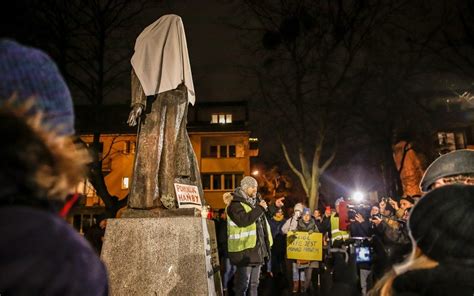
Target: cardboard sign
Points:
(304, 246)
(187, 196)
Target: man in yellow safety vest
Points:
(248, 235)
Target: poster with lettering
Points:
(187, 196)
(304, 246)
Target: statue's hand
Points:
(134, 114)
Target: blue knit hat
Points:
(26, 73)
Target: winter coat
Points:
(442, 280)
(290, 225)
(42, 254)
(238, 215)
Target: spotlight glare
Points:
(358, 196)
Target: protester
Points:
(456, 167)
(249, 235)
(276, 265)
(402, 211)
(307, 224)
(360, 228)
(442, 259)
(392, 243)
(291, 224)
(39, 166)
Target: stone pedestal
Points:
(160, 256)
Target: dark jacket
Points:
(357, 229)
(236, 212)
(324, 225)
(40, 254)
(441, 280)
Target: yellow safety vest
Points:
(242, 238)
(335, 232)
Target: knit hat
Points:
(458, 162)
(28, 73)
(248, 182)
(306, 211)
(298, 207)
(441, 224)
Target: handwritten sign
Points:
(304, 246)
(187, 196)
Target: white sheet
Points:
(161, 59)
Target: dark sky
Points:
(213, 46)
(214, 49)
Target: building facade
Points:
(219, 136)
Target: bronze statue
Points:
(164, 153)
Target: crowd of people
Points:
(391, 232)
(419, 245)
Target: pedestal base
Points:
(160, 256)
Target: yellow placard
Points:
(304, 246)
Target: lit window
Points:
(221, 118)
(125, 182)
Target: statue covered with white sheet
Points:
(162, 88)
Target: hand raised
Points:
(279, 202)
(358, 217)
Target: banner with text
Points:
(304, 246)
(187, 196)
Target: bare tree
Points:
(314, 71)
(89, 41)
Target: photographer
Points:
(360, 227)
(391, 241)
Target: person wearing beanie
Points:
(249, 235)
(456, 167)
(306, 224)
(289, 226)
(442, 262)
(29, 74)
(39, 166)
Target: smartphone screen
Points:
(363, 254)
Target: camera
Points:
(376, 216)
(353, 210)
